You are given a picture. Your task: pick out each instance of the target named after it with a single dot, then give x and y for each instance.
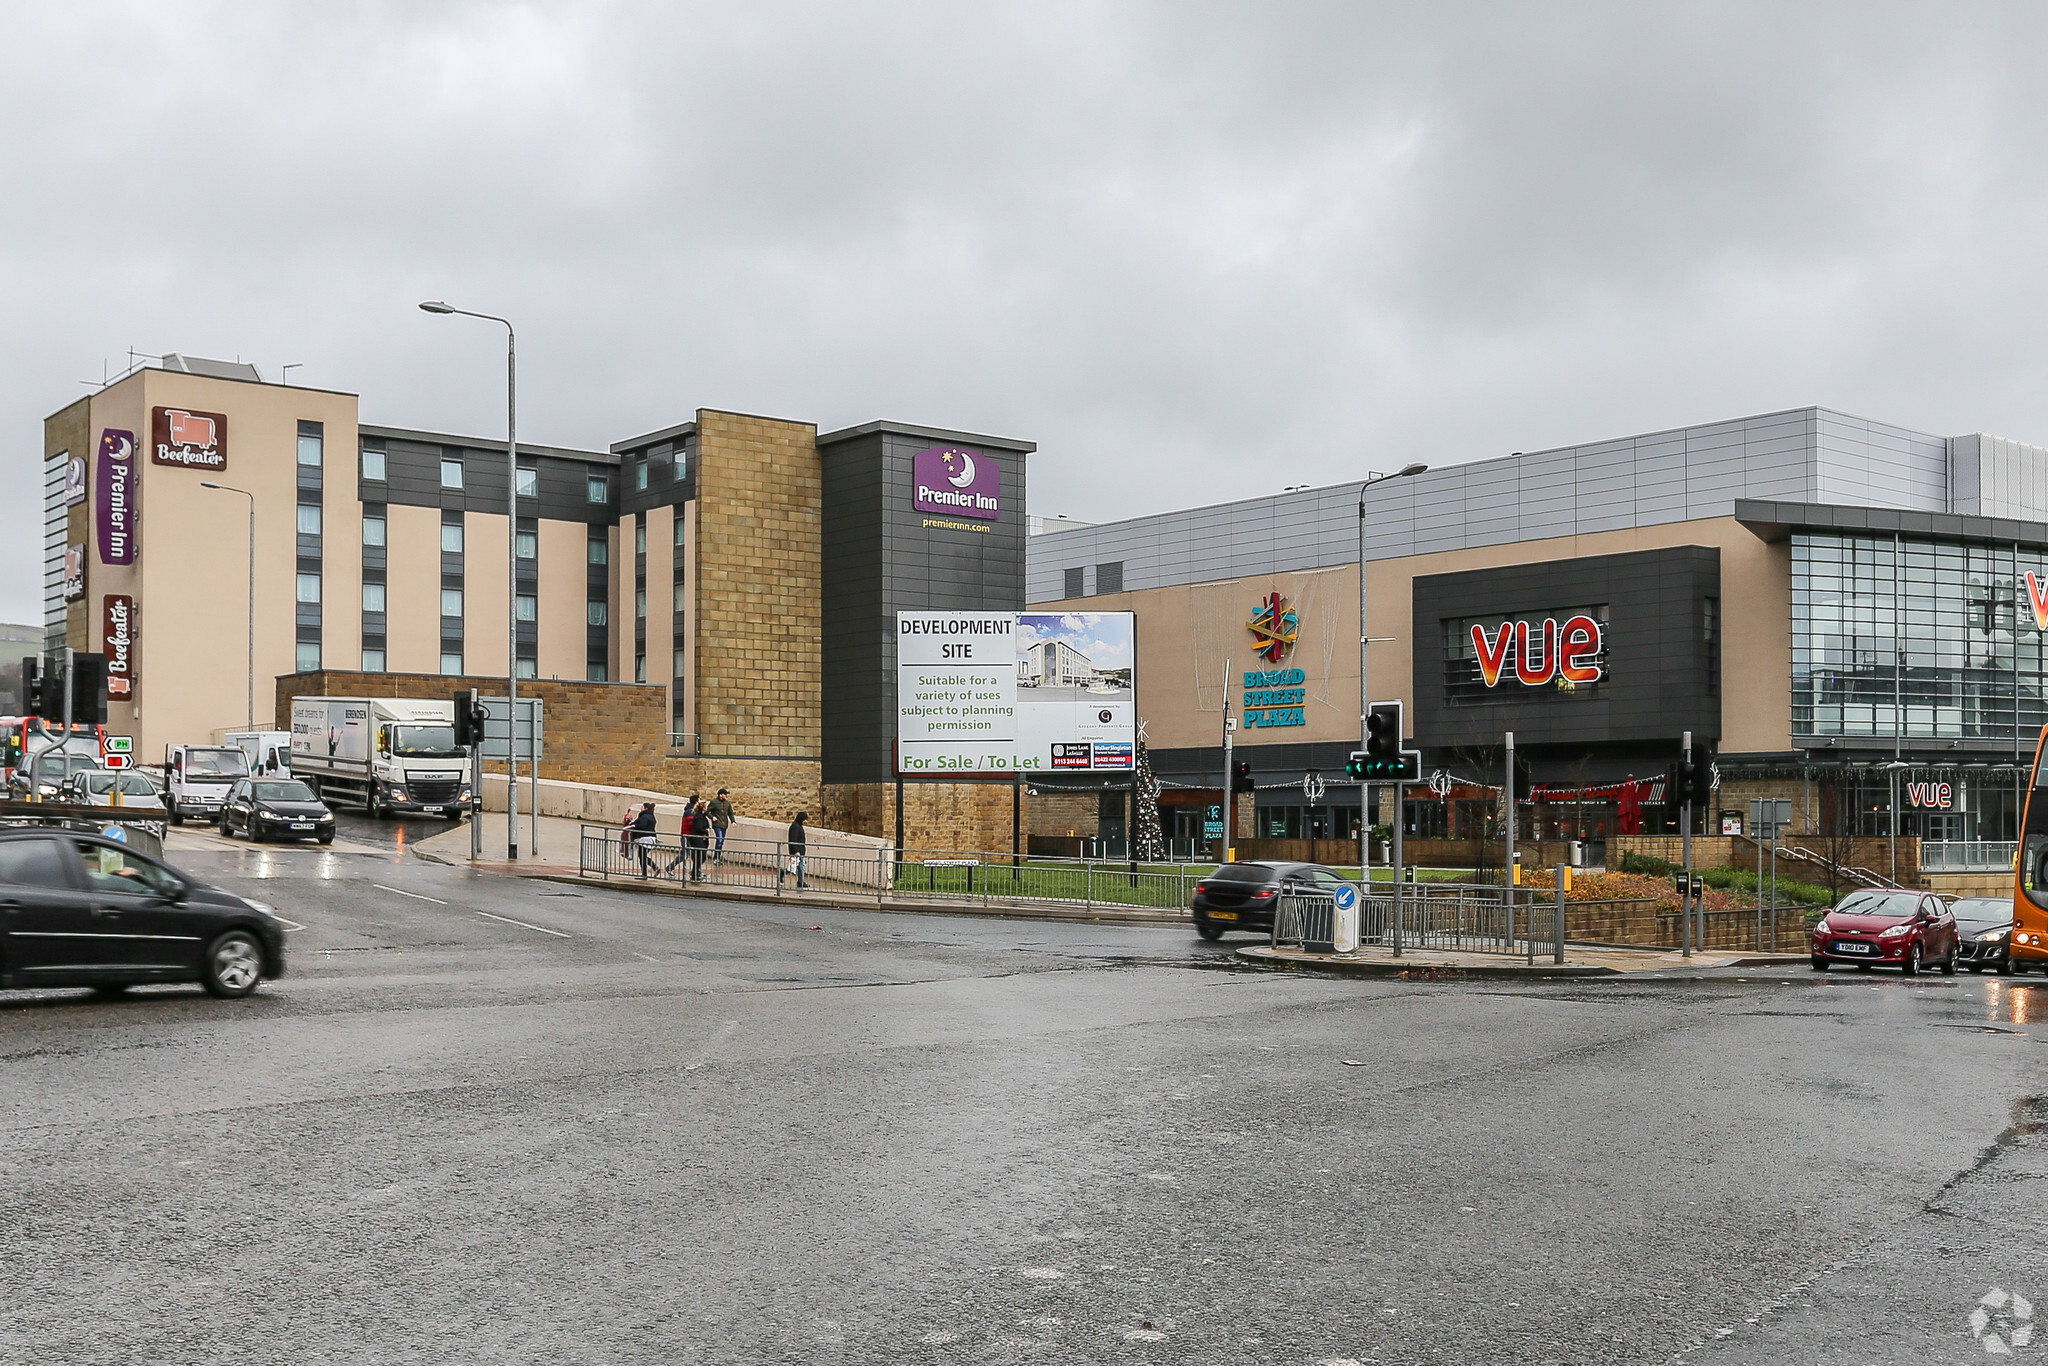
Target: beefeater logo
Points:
(179, 436)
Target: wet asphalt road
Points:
(491, 1121)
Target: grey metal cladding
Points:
(1657, 683)
(1802, 455)
(412, 477)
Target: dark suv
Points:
(80, 910)
(1241, 896)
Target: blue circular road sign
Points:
(1345, 897)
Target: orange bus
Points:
(2029, 946)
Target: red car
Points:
(1904, 930)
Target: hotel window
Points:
(451, 602)
(307, 658)
(595, 673)
(309, 449)
(1109, 578)
(681, 599)
(528, 668)
(640, 538)
(599, 488)
(373, 465)
(640, 603)
(451, 537)
(528, 607)
(373, 531)
(529, 482)
(527, 545)
(1076, 583)
(373, 597)
(373, 661)
(639, 668)
(451, 663)
(451, 474)
(679, 526)
(309, 588)
(309, 519)
(600, 552)
(598, 614)
(640, 473)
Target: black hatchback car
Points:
(276, 809)
(80, 910)
(1241, 896)
(1983, 924)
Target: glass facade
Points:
(1919, 640)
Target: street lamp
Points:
(1364, 687)
(250, 724)
(511, 567)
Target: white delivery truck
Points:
(269, 751)
(383, 754)
(197, 779)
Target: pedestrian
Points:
(721, 818)
(642, 831)
(682, 835)
(699, 839)
(796, 852)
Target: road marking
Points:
(646, 956)
(520, 923)
(414, 895)
(289, 925)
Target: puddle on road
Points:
(2009, 1002)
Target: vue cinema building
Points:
(731, 582)
(1830, 602)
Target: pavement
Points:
(1372, 961)
(489, 1119)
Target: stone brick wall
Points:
(1066, 813)
(610, 733)
(757, 626)
(937, 817)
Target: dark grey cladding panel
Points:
(1658, 675)
(412, 476)
(878, 558)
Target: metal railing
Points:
(1459, 917)
(1967, 856)
(884, 873)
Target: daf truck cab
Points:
(386, 755)
(197, 779)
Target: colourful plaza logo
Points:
(1274, 627)
(1568, 654)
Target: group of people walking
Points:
(703, 830)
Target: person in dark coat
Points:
(797, 844)
(699, 842)
(642, 832)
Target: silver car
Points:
(96, 787)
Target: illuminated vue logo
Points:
(1274, 627)
(2037, 595)
(957, 480)
(1536, 655)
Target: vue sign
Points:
(1570, 652)
(1940, 796)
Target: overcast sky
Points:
(1194, 251)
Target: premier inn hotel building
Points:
(733, 579)
(1851, 615)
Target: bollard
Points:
(1564, 875)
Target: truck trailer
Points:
(383, 754)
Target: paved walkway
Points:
(1579, 962)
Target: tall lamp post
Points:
(511, 566)
(1365, 687)
(250, 724)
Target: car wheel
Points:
(372, 806)
(1948, 964)
(1820, 965)
(234, 964)
(327, 839)
(177, 816)
(2005, 967)
(1911, 967)
(1208, 932)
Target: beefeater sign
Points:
(194, 440)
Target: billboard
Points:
(1007, 692)
(954, 479)
(114, 505)
(117, 625)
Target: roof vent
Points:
(211, 369)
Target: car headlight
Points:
(1895, 931)
(1994, 936)
(1822, 927)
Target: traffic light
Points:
(1241, 777)
(1383, 759)
(1703, 780)
(32, 685)
(469, 719)
(88, 690)
(1691, 782)
(49, 691)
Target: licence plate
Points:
(1223, 915)
(1855, 948)
(302, 825)
(431, 810)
